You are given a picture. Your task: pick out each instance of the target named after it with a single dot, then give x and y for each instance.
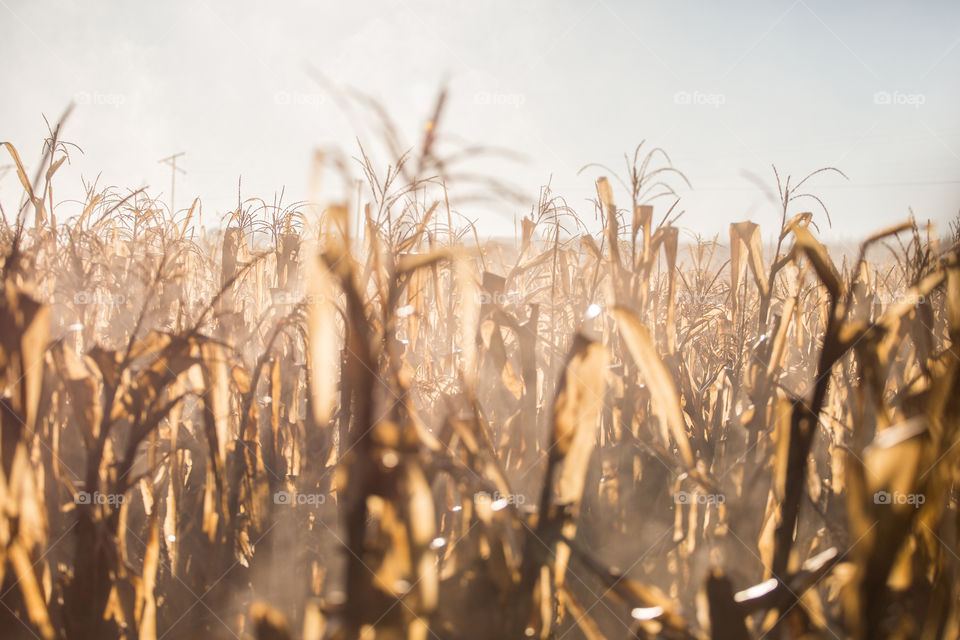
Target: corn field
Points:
(353, 419)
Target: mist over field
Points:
(245, 89)
(416, 320)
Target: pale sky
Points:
(725, 87)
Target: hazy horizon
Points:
(867, 88)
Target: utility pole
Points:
(172, 161)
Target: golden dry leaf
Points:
(798, 220)
(642, 217)
(820, 259)
(21, 173)
(24, 331)
(591, 246)
(579, 399)
(23, 567)
(469, 315)
(670, 236)
(147, 602)
(335, 229)
(663, 390)
(216, 380)
(420, 519)
(322, 340)
(412, 262)
(527, 235)
(581, 616)
(746, 236)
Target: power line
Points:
(172, 161)
(875, 185)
